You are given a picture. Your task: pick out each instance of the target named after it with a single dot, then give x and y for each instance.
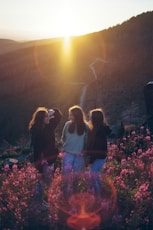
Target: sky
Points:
(38, 19)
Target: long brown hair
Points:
(79, 120)
(96, 118)
(38, 117)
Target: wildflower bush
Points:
(130, 166)
(17, 188)
(139, 140)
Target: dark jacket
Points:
(97, 143)
(43, 140)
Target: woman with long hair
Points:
(42, 129)
(74, 136)
(97, 139)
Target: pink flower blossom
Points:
(148, 138)
(61, 154)
(133, 133)
(6, 167)
(15, 167)
(148, 131)
(139, 151)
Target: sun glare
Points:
(67, 20)
(64, 22)
(66, 25)
(67, 41)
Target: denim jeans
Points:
(97, 165)
(95, 171)
(73, 162)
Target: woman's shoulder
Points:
(105, 129)
(67, 124)
(35, 129)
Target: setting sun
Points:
(67, 21)
(35, 19)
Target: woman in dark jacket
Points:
(97, 140)
(42, 129)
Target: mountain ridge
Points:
(38, 74)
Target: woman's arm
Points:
(65, 129)
(55, 118)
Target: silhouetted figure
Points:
(42, 129)
(97, 139)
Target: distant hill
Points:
(115, 64)
(7, 45)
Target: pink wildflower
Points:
(147, 138)
(144, 187)
(139, 151)
(6, 167)
(15, 167)
(133, 133)
(61, 154)
(123, 161)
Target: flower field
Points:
(129, 169)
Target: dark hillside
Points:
(40, 74)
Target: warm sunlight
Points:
(67, 41)
(66, 25)
(67, 54)
(67, 21)
(38, 19)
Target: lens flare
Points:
(84, 217)
(82, 200)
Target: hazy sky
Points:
(35, 19)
